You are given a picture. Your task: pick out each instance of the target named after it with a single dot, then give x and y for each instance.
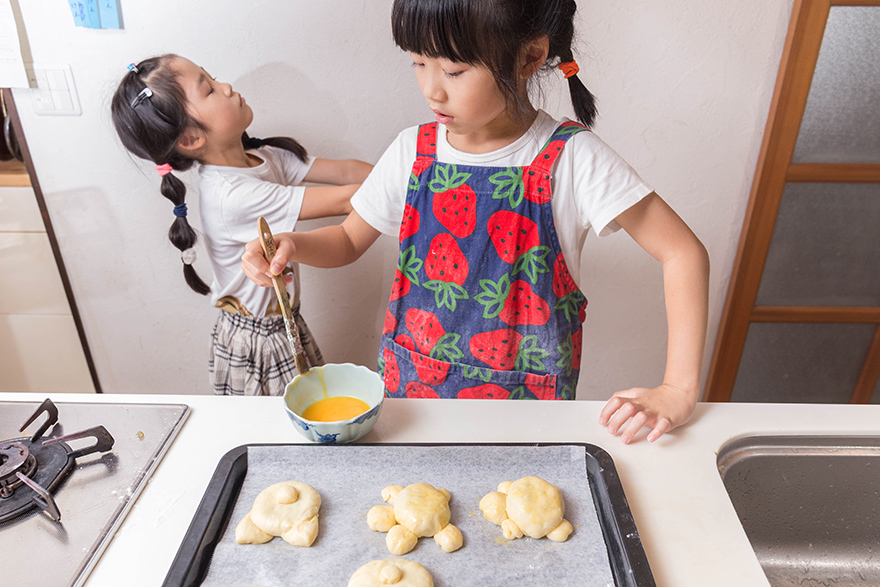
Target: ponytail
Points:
(149, 113)
(285, 143)
(582, 100)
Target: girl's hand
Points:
(661, 409)
(254, 264)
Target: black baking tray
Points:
(629, 565)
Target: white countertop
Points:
(689, 529)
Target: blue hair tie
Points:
(180, 210)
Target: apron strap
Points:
(548, 155)
(426, 148)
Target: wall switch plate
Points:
(52, 90)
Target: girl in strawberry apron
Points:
(483, 305)
(491, 205)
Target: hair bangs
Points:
(440, 28)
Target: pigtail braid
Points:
(181, 234)
(285, 143)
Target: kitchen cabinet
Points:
(42, 346)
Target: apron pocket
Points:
(415, 375)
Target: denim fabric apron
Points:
(482, 305)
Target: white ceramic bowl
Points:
(331, 380)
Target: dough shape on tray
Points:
(288, 509)
(529, 506)
(391, 571)
(417, 510)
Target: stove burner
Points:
(15, 458)
(31, 468)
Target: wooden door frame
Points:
(803, 41)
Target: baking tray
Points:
(629, 565)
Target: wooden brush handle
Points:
(268, 245)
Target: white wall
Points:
(684, 89)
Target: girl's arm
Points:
(338, 171)
(330, 246)
(665, 236)
(321, 201)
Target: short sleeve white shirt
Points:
(591, 183)
(231, 199)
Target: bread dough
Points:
(529, 506)
(380, 518)
(418, 510)
(247, 532)
(288, 509)
(393, 571)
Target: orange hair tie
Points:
(569, 68)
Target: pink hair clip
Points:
(163, 169)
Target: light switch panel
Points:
(52, 90)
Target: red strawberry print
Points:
(506, 349)
(407, 273)
(514, 303)
(425, 328)
(570, 299)
(390, 322)
(497, 348)
(516, 241)
(410, 223)
(414, 389)
(543, 386)
(447, 269)
(406, 342)
(485, 391)
(563, 284)
(400, 287)
(428, 370)
(454, 202)
(391, 374)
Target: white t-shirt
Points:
(231, 199)
(591, 185)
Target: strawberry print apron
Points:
(482, 305)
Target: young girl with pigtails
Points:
(171, 112)
(491, 204)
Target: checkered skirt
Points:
(252, 356)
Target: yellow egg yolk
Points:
(334, 409)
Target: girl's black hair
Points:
(492, 33)
(149, 126)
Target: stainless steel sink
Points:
(810, 506)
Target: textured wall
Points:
(684, 89)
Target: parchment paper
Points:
(350, 480)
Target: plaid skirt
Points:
(252, 356)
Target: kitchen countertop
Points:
(689, 529)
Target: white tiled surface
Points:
(42, 354)
(19, 211)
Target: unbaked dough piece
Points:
(535, 506)
(390, 492)
(290, 510)
(422, 509)
(494, 507)
(560, 533)
(380, 518)
(400, 541)
(529, 506)
(449, 538)
(246, 532)
(393, 571)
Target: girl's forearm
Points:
(686, 287)
(355, 171)
(329, 246)
(323, 201)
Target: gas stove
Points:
(64, 495)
